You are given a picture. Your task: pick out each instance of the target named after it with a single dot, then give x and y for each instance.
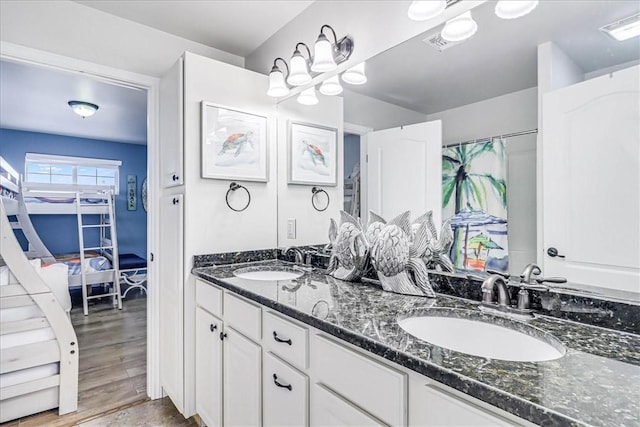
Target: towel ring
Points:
(233, 187)
(316, 191)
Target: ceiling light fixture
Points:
(355, 75)
(511, 9)
(83, 109)
(277, 85)
(623, 29)
(308, 96)
(459, 28)
(327, 58)
(331, 86)
(423, 10)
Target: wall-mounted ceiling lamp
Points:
(623, 29)
(459, 28)
(331, 86)
(308, 96)
(355, 75)
(511, 9)
(423, 10)
(299, 74)
(277, 86)
(83, 109)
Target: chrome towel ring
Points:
(316, 191)
(233, 187)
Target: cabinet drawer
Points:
(329, 409)
(286, 339)
(285, 394)
(209, 297)
(376, 388)
(243, 315)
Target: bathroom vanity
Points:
(314, 350)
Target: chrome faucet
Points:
(299, 255)
(529, 271)
(488, 290)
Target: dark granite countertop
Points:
(597, 381)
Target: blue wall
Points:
(60, 232)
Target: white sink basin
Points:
(266, 274)
(483, 339)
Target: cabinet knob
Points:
(175, 177)
(223, 335)
(553, 252)
(279, 384)
(213, 327)
(175, 200)
(278, 339)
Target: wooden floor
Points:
(112, 377)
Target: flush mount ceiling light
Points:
(423, 10)
(511, 9)
(355, 75)
(308, 96)
(277, 86)
(83, 109)
(459, 28)
(623, 29)
(331, 86)
(299, 74)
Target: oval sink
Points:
(268, 273)
(480, 338)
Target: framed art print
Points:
(313, 154)
(234, 144)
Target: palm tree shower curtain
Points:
(474, 198)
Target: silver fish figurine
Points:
(437, 254)
(398, 260)
(349, 249)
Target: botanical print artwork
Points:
(474, 196)
(234, 144)
(312, 155)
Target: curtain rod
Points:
(489, 138)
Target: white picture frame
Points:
(234, 144)
(313, 154)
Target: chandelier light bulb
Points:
(424, 10)
(331, 86)
(355, 75)
(308, 96)
(511, 9)
(459, 28)
(323, 60)
(299, 74)
(277, 86)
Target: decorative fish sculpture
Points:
(316, 154)
(437, 254)
(398, 260)
(349, 250)
(375, 226)
(237, 142)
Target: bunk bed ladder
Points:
(107, 247)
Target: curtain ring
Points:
(233, 187)
(315, 191)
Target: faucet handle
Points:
(542, 280)
(499, 273)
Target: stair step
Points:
(29, 355)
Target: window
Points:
(51, 169)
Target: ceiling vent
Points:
(437, 42)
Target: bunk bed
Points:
(92, 265)
(38, 346)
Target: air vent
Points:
(438, 43)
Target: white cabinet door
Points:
(286, 394)
(242, 378)
(171, 117)
(591, 181)
(208, 368)
(329, 409)
(404, 170)
(170, 292)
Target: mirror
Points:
(485, 87)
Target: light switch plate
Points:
(291, 228)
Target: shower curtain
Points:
(474, 197)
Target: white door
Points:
(404, 170)
(591, 181)
(170, 292)
(286, 394)
(208, 368)
(242, 378)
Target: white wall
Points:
(294, 201)
(77, 31)
(371, 112)
(514, 112)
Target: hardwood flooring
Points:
(112, 374)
